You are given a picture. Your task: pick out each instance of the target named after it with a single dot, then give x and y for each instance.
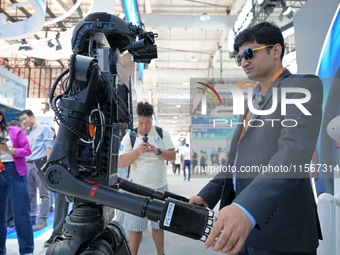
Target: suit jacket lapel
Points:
(268, 95)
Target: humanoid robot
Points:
(93, 112)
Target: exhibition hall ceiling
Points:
(192, 42)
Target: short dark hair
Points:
(144, 109)
(263, 33)
(27, 111)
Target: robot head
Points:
(99, 30)
(103, 30)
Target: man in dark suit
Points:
(267, 203)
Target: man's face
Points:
(28, 121)
(262, 63)
(144, 124)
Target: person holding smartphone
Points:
(147, 158)
(14, 148)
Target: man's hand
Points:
(230, 230)
(128, 158)
(145, 147)
(197, 200)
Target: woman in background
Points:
(13, 184)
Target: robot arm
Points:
(173, 215)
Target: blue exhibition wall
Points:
(329, 71)
(317, 50)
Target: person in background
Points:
(40, 138)
(10, 220)
(177, 162)
(148, 168)
(13, 185)
(194, 162)
(203, 163)
(186, 162)
(266, 211)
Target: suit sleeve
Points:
(219, 188)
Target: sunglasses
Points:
(248, 54)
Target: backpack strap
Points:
(159, 131)
(133, 137)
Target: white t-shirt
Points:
(178, 159)
(148, 169)
(5, 156)
(186, 153)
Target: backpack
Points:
(133, 136)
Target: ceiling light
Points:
(24, 45)
(50, 44)
(204, 17)
(178, 105)
(287, 11)
(59, 45)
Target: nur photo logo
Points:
(210, 90)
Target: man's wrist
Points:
(160, 151)
(247, 213)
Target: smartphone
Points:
(145, 138)
(3, 140)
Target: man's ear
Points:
(277, 50)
